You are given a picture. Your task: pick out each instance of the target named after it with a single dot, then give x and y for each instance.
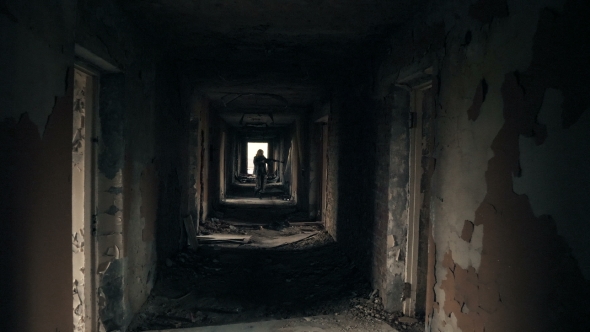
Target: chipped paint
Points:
(467, 126)
(79, 199)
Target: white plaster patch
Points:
(464, 146)
(466, 254)
(555, 175)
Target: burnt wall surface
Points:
(508, 188)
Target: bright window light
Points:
(252, 149)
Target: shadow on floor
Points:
(221, 285)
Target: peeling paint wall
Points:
(36, 98)
(81, 193)
(36, 92)
(504, 169)
(140, 163)
(507, 223)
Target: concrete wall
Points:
(217, 160)
(508, 190)
(368, 146)
(518, 267)
(131, 165)
(36, 61)
(352, 164)
(200, 157)
(504, 155)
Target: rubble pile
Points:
(215, 225)
(223, 284)
(372, 307)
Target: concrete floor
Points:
(265, 201)
(326, 323)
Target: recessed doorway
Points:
(253, 147)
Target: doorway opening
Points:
(419, 246)
(83, 160)
(253, 147)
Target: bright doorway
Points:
(253, 147)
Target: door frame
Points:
(415, 196)
(92, 66)
(90, 195)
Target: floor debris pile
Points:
(372, 307)
(216, 225)
(225, 282)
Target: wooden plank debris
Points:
(280, 241)
(219, 238)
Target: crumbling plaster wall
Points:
(36, 58)
(504, 260)
(200, 156)
(495, 264)
(128, 157)
(368, 144)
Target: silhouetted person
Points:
(260, 162)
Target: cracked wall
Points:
(503, 262)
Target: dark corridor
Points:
(431, 170)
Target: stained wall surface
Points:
(503, 167)
(128, 179)
(38, 42)
(200, 150)
(504, 260)
(35, 165)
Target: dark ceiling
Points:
(262, 62)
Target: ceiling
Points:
(257, 94)
(239, 29)
(263, 62)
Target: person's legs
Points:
(262, 183)
(259, 184)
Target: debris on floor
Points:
(246, 178)
(303, 274)
(223, 238)
(323, 323)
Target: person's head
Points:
(259, 153)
